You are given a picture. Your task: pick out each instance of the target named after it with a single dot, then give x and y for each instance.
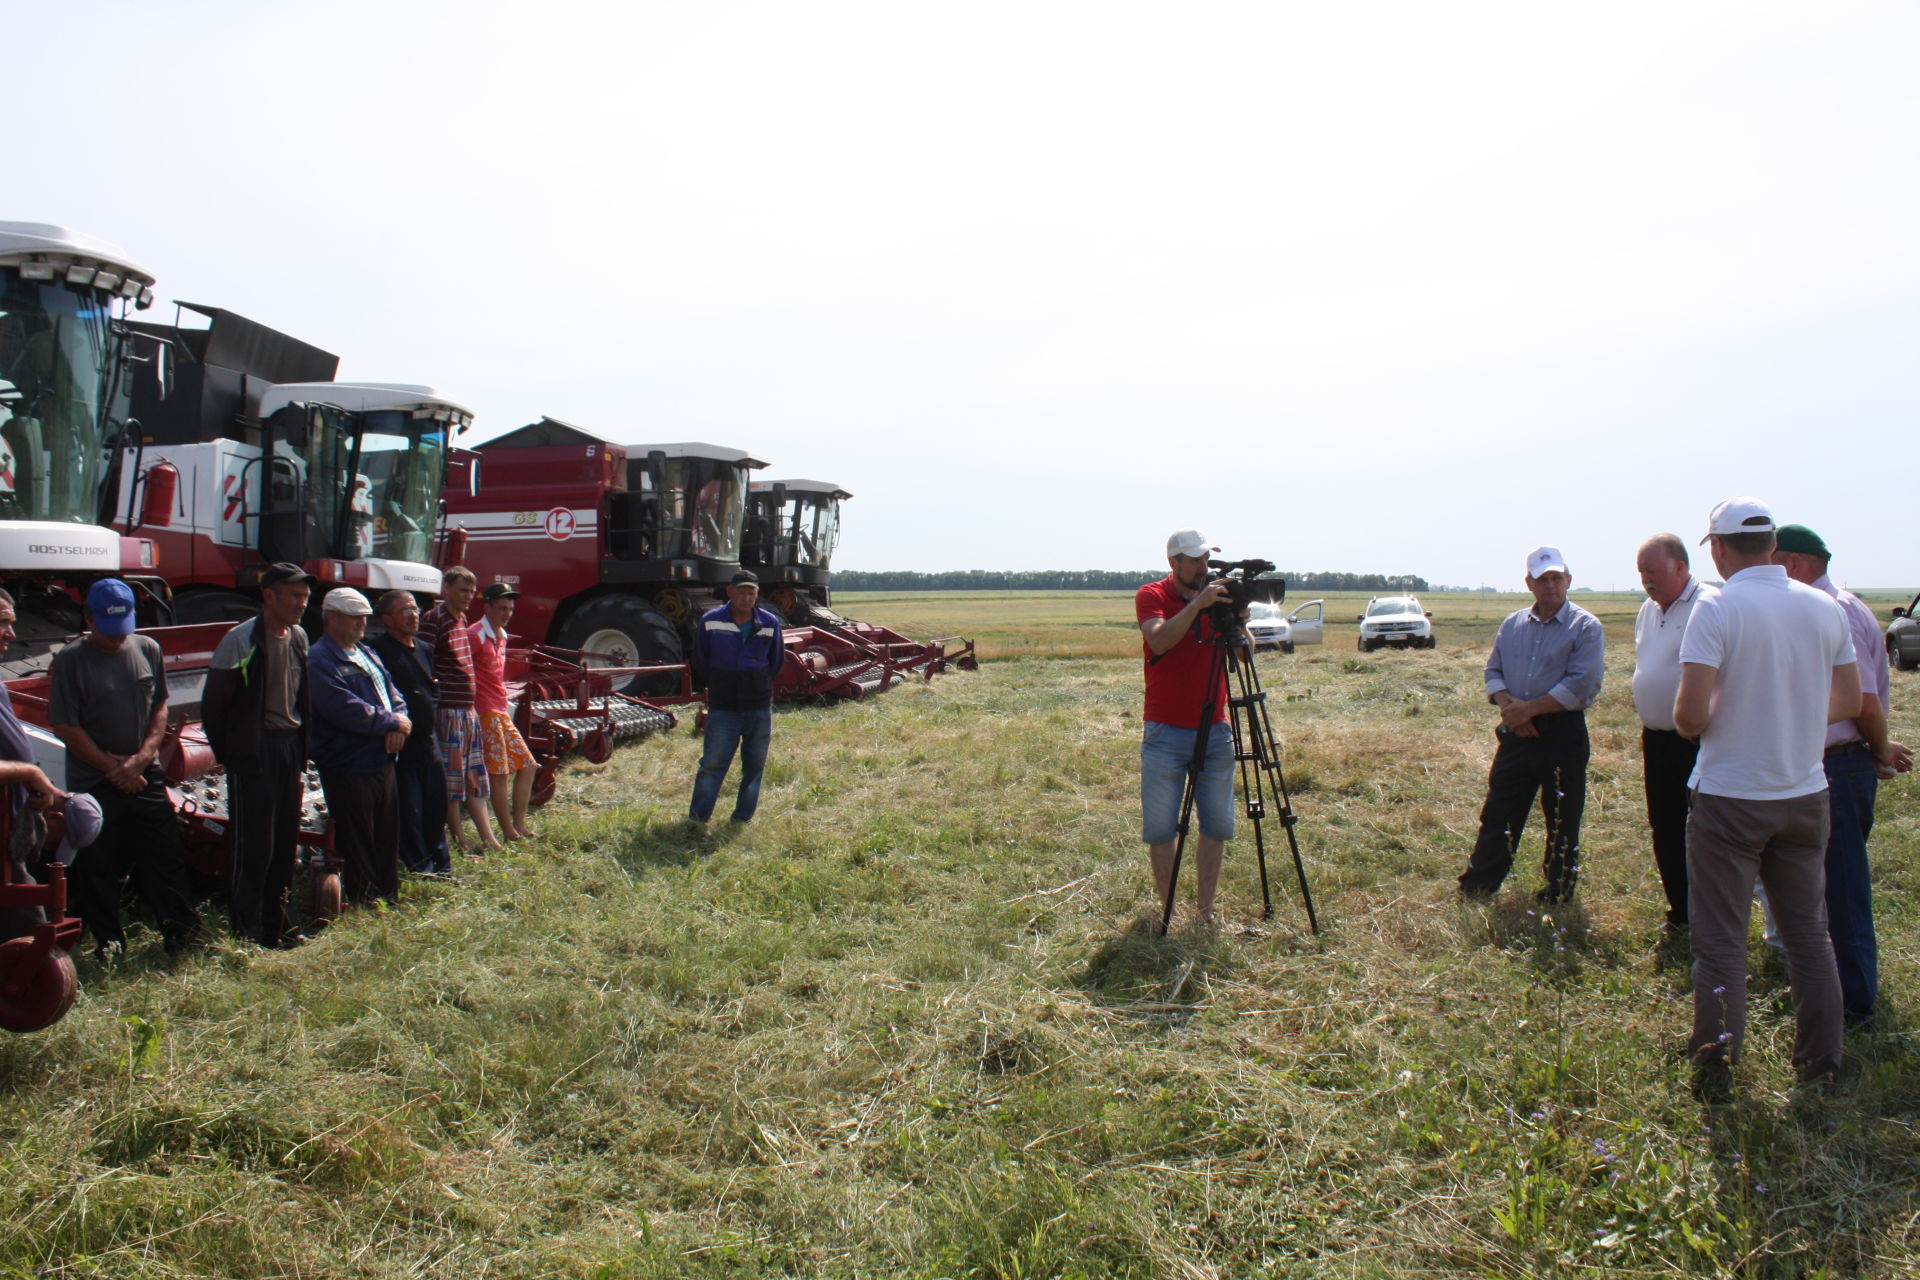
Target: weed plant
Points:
(914, 1022)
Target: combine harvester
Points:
(617, 549)
(63, 305)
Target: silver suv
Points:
(1903, 636)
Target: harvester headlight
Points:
(130, 288)
(107, 280)
(36, 271)
(146, 297)
(80, 273)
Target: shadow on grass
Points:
(1558, 940)
(1154, 977)
(675, 844)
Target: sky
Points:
(1384, 287)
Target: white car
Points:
(1398, 621)
(1269, 628)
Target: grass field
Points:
(912, 1022)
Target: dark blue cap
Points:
(110, 601)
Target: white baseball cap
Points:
(1739, 515)
(1546, 560)
(1189, 542)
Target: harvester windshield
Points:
(403, 460)
(813, 526)
(56, 360)
(706, 502)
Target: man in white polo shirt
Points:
(1766, 666)
(1666, 755)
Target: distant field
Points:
(1099, 624)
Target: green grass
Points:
(911, 1023)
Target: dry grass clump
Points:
(914, 1022)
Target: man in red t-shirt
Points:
(1178, 648)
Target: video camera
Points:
(1244, 586)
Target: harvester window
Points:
(55, 358)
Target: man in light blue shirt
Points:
(1545, 671)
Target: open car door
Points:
(1309, 623)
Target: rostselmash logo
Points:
(55, 549)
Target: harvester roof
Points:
(366, 397)
(81, 258)
(551, 431)
(799, 486)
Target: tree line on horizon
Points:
(1092, 580)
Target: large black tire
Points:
(213, 606)
(630, 632)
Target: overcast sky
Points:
(1374, 287)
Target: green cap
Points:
(1797, 537)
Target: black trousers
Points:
(139, 842)
(422, 793)
(263, 798)
(366, 832)
(1668, 760)
(1552, 767)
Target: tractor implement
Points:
(564, 703)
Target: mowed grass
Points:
(913, 1022)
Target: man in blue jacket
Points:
(737, 650)
(359, 724)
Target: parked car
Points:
(1398, 621)
(1903, 636)
(1269, 628)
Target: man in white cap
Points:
(1765, 667)
(1545, 671)
(1177, 645)
(359, 724)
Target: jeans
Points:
(1166, 754)
(422, 795)
(749, 732)
(1852, 787)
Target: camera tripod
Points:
(1259, 761)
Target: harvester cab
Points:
(250, 453)
(792, 527)
(63, 409)
(613, 548)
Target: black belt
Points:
(1841, 748)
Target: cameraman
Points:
(1179, 655)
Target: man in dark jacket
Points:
(254, 708)
(418, 776)
(359, 724)
(737, 650)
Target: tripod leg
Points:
(1196, 763)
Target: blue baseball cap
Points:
(110, 601)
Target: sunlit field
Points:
(913, 1022)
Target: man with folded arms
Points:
(1766, 666)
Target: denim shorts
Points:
(1165, 753)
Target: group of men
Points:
(410, 732)
(405, 730)
(1764, 738)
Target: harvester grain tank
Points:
(249, 453)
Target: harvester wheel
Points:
(213, 606)
(34, 996)
(595, 747)
(630, 632)
(327, 898)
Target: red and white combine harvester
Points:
(617, 549)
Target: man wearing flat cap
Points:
(254, 708)
(738, 649)
(1766, 665)
(1858, 752)
(359, 724)
(1177, 650)
(1547, 664)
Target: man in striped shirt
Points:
(456, 723)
